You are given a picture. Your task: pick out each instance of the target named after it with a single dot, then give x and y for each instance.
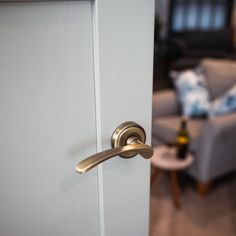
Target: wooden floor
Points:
(214, 215)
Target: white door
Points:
(70, 73)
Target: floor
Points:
(214, 215)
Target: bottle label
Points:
(182, 140)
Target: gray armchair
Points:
(213, 141)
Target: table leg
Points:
(154, 175)
(175, 188)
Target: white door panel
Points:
(126, 45)
(47, 119)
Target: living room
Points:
(194, 96)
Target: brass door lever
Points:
(128, 140)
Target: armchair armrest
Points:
(215, 150)
(165, 103)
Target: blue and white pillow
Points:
(224, 104)
(192, 92)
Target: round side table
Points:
(165, 158)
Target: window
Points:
(205, 15)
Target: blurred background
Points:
(195, 77)
(187, 31)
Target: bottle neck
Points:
(183, 125)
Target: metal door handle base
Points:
(128, 140)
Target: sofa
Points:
(213, 141)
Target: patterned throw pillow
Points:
(192, 92)
(224, 104)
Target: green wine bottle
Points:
(182, 139)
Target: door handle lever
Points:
(127, 141)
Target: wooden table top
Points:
(165, 158)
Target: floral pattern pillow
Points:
(224, 104)
(192, 92)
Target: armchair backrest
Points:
(220, 75)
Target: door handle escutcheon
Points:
(128, 140)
